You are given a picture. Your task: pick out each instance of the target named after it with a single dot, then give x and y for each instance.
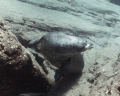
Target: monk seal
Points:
(58, 48)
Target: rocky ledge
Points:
(19, 71)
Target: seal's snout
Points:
(88, 46)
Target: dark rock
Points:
(32, 94)
(19, 72)
(117, 2)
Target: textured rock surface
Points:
(96, 20)
(19, 72)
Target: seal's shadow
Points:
(64, 85)
(69, 80)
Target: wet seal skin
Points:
(58, 48)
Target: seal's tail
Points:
(35, 41)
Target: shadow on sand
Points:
(64, 85)
(70, 79)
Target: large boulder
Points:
(19, 71)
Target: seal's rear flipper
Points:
(36, 41)
(63, 69)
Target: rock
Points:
(19, 71)
(117, 2)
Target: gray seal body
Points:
(58, 47)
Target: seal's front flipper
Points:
(36, 41)
(63, 69)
